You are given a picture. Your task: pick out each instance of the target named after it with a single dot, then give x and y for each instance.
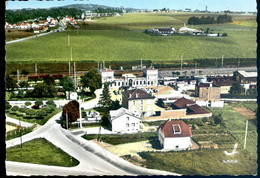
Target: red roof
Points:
(196, 109)
(175, 129)
(137, 94)
(182, 103)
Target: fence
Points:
(16, 133)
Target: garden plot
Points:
(245, 112)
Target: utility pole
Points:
(181, 62)
(75, 77)
(67, 121)
(80, 123)
(20, 134)
(222, 60)
(245, 134)
(18, 76)
(70, 59)
(35, 69)
(68, 40)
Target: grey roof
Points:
(114, 114)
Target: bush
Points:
(41, 113)
(50, 102)
(28, 103)
(30, 112)
(47, 109)
(38, 102)
(7, 106)
(52, 107)
(22, 110)
(24, 72)
(224, 34)
(15, 108)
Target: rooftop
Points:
(247, 73)
(182, 103)
(137, 94)
(175, 129)
(114, 114)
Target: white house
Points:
(174, 135)
(124, 121)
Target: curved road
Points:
(94, 160)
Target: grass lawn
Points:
(201, 162)
(236, 125)
(35, 120)
(40, 151)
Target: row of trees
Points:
(15, 16)
(108, 10)
(209, 20)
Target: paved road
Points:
(34, 36)
(94, 160)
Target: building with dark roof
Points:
(162, 30)
(174, 135)
(138, 100)
(207, 91)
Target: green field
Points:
(115, 39)
(201, 162)
(236, 124)
(40, 151)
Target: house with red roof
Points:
(175, 135)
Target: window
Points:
(115, 83)
(142, 101)
(133, 102)
(176, 146)
(141, 108)
(148, 82)
(127, 125)
(123, 83)
(136, 82)
(140, 82)
(127, 119)
(144, 82)
(118, 83)
(133, 124)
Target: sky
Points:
(212, 5)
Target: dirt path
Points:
(245, 112)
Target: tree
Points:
(43, 90)
(67, 84)
(24, 72)
(72, 110)
(10, 83)
(115, 105)
(236, 88)
(23, 84)
(105, 98)
(49, 80)
(92, 80)
(47, 109)
(224, 34)
(20, 94)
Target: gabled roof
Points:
(137, 94)
(175, 129)
(151, 68)
(114, 114)
(182, 103)
(196, 109)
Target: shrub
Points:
(38, 102)
(28, 103)
(22, 110)
(30, 112)
(41, 113)
(47, 109)
(24, 72)
(224, 34)
(52, 107)
(7, 106)
(15, 108)
(50, 102)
